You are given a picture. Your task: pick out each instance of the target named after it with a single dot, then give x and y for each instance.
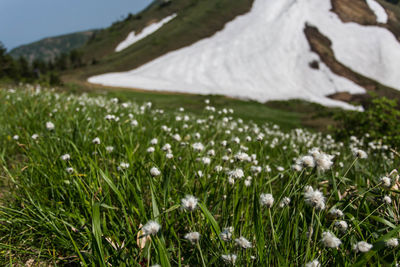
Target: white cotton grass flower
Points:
(69, 170)
(330, 240)
(230, 258)
(150, 150)
(225, 158)
(35, 136)
(386, 182)
(243, 242)
(296, 167)
(360, 153)
(284, 202)
(341, 226)
(193, 237)
(218, 168)
(154, 141)
(155, 172)
(266, 200)
(16, 137)
(236, 173)
(314, 198)
(226, 234)
(206, 160)
(392, 242)
(198, 146)
(50, 126)
(65, 157)
(336, 213)
(211, 152)
(109, 149)
(314, 263)
(189, 203)
(169, 155)
(134, 123)
(247, 182)
(387, 200)
(151, 228)
(96, 141)
(362, 246)
(166, 147)
(123, 166)
(323, 161)
(308, 161)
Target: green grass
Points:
(93, 215)
(287, 114)
(196, 20)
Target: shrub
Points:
(379, 121)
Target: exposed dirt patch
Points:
(321, 45)
(359, 12)
(196, 20)
(354, 11)
(393, 12)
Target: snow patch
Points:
(264, 55)
(380, 13)
(133, 38)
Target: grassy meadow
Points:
(114, 180)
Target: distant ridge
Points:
(49, 48)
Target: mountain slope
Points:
(49, 48)
(196, 19)
(265, 55)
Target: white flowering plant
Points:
(207, 189)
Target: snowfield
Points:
(380, 13)
(133, 37)
(264, 55)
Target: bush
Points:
(379, 121)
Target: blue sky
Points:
(25, 21)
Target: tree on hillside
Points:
(24, 68)
(7, 64)
(75, 58)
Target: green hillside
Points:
(49, 48)
(196, 20)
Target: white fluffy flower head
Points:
(266, 200)
(155, 172)
(284, 202)
(151, 228)
(330, 240)
(236, 173)
(193, 237)
(189, 203)
(243, 242)
(341, 225)
(50, 126)
(323, 161)
(362, 246)
(314, 198)
(198, 146)
(314, 263)
(392, 242)
(386, 182)
(230, 258)
(226, 234)
(336, 213)
(66, 157)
